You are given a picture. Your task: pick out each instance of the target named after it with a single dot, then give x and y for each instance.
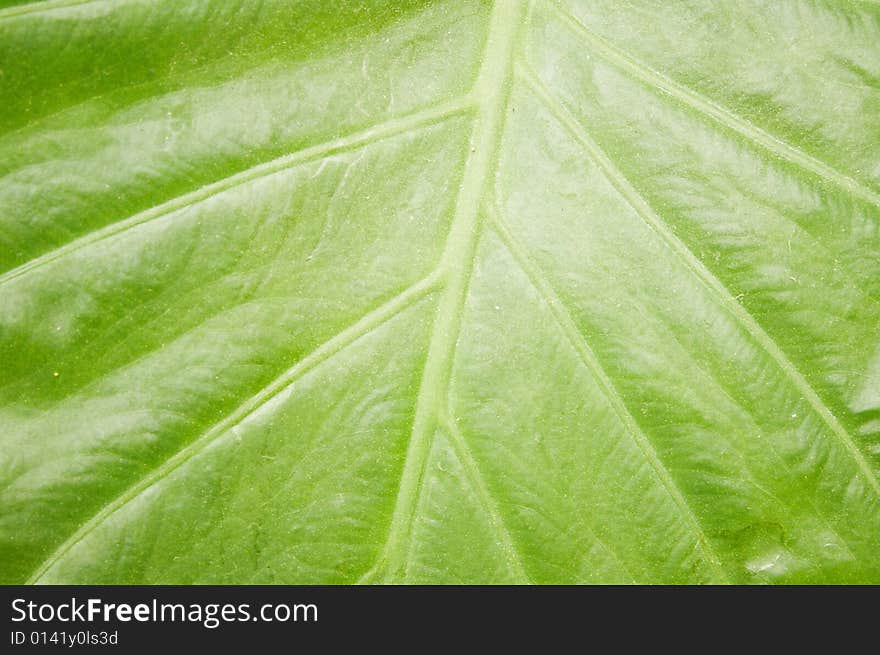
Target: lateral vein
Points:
(591, 362)
(478, 482)
(712, 109)
(391, 128)
(709, 279)
(41, 6)
(324, 352)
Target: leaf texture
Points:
(572, 291)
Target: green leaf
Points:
(309, 292)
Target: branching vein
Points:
(391, 128)
(321, 354)
(707, 107)
(591, 362)
(491, 93)
(478, 482)
(42, 5)
(748, 322)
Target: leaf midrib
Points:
(490, 93)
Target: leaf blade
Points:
(442, 292)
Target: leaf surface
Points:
(443, 292)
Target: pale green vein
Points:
(463, 452)
(656, 223)
(327, 350)
(490, 92)
(38, 7)
(715, 111)
(478, 482)
(591, 362)
(394, 127)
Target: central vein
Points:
(490, 94)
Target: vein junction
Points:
(490, 93)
